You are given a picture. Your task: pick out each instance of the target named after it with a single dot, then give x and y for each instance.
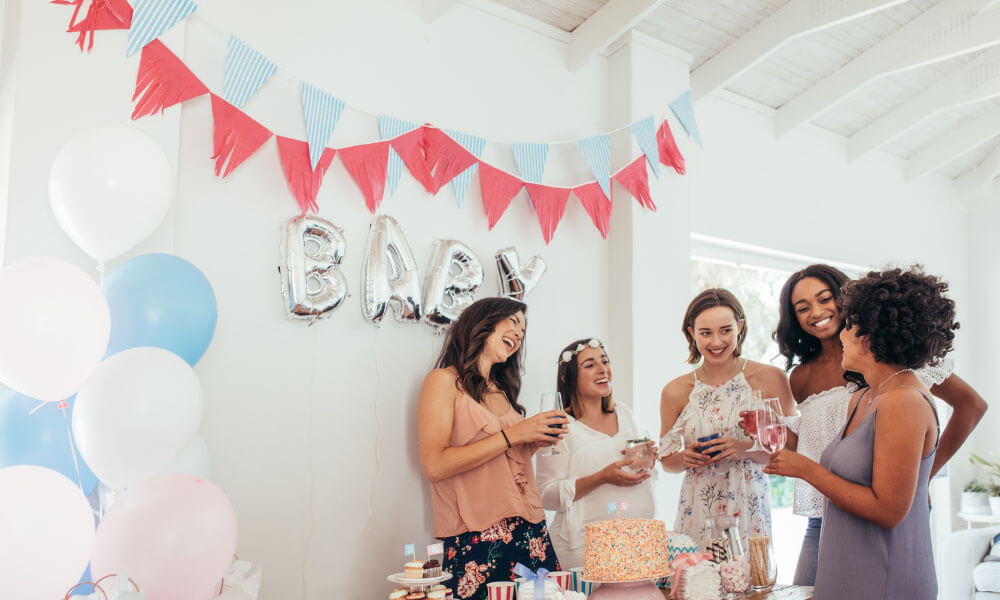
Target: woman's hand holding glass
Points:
(617, 474)
(543, 429)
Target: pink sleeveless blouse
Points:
(499, 488)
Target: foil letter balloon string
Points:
(389, 274)
(312, 283)
(517, 280)
(450, 283)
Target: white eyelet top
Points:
(822, 417)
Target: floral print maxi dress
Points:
(737, 488)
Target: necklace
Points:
(884, 381)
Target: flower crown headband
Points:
(568, 355)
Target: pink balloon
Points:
(46, 533)
(54, 327)
(176, 535)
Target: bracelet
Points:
(505, 438)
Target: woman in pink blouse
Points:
(476, 447)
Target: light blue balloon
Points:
(39, 438)
(163, 301)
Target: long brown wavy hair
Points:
(464, 343)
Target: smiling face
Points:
(593, 377)
(815, 308)
(715, 334)
(856, 353)
(506, 339)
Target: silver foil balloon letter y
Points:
(517, 280)
(450, 282)
(389, 274)
(312, 284)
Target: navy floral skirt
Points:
(476, 558)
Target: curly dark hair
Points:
(792, 341)
(465, 341)
(905, 315)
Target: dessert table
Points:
(784, 592)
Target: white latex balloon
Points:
(110, 188)
(135, 414)
(46, 533)
(54, 327)
(193, 460)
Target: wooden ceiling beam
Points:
(609, 23)
(975, 81)
(948, 29)
(951, 146)
(977, 179)
(794, 19)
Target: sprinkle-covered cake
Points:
(625, 550)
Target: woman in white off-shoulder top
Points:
(590, 472)
(809, 334)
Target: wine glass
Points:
(551, 401)
(771, 430)
(754, 409)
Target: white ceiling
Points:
(852, 73)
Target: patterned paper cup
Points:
(501, 590)
(562, 579)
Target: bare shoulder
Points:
(904, 402)
(441, 383)
(799, 380)
(678, 389)
(764, 373)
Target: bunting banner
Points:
(635, 179)
(530, 159)
(596, 150)
(683, 109)
(235, 136)
(303, 179)
(596, 204)
(246, 71)
(153, 18)
(644, 132)
(163, 81)
(497, 188)
(550, 204)
(670, 154)
(433, 156)
(366, 164)
(101, 15)
(389, 127)
(322, 113)
(475, 146)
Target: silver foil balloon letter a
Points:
(450, 282)
(312, 284)
(389, 274)
(517, 280)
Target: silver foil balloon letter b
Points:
(389, 274)
(450, 283)
(312, 284)
(517, 280)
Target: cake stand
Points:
(421, 583)
(628, 590)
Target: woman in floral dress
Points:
(721, 478)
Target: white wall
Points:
(312, 430)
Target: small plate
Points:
(398, 578)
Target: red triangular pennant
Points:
(235, 135)
(101, 15)
(635, 179)
(163, 81)
(367, 164)
(446, 158)
(302, 179)
(670, 154)
(412, 148)
(596, 204)
(550, 204)
(497, 188)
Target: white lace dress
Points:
(822, 416)
(735, 488)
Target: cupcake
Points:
(416, 596)
(435, 595)
(413, 570)
(398, 594)
(432, 568)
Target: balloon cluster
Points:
(126, 352)
(312, 284)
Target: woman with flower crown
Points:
(721, 478)
(589, 473)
